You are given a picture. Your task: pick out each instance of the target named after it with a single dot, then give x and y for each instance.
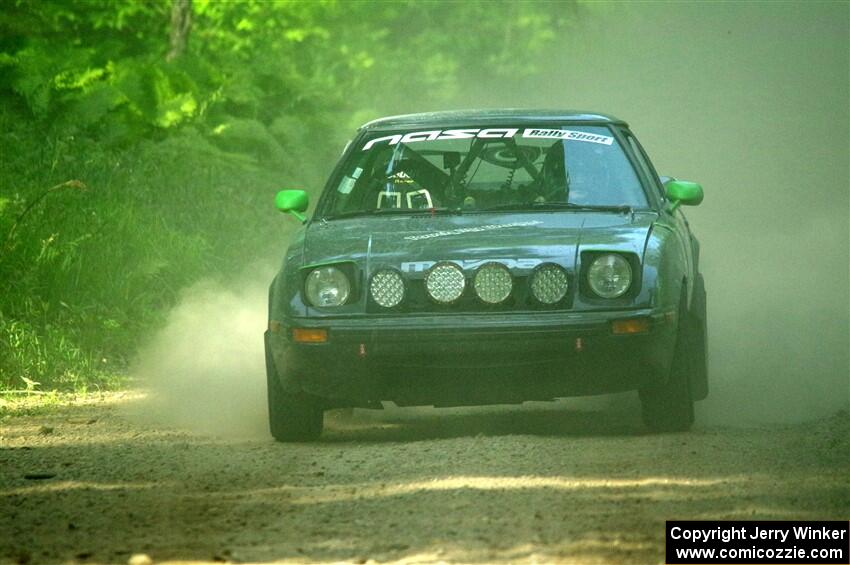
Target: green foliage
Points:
(89, 271)
(177, 162)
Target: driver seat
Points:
(555, 185)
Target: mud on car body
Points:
(482, 257)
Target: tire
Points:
(292, 417)
(669, 407)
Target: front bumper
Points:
(453, 360)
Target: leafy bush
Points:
(93, 266)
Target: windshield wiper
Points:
(559, 206)
(394, 211)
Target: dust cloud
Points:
(205, 369)
(750, 100)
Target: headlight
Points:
(327, 286)
(609, 276)
(387, 288)
(445, 282)
(549, 283)
(493, 283)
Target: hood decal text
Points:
(474, 229)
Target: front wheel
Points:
(292, 417)
(669, 407)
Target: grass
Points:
(92, 266)
(27, 403)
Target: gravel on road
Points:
(92, 483)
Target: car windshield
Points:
(475, 169)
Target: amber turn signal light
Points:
(630, 326)
(305, 335)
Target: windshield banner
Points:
(489, 133)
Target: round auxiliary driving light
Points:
(387, 288)
(610, 275)
(327, 286)
(549, 284)
(493, 283)
(445, 282)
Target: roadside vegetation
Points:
(141, 144)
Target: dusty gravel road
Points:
(530, 484)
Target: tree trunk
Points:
(181, 23)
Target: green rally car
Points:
(486, 257)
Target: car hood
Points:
(521, 240)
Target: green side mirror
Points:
(682, 192)
(293, 202)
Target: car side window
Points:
(644, 165)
